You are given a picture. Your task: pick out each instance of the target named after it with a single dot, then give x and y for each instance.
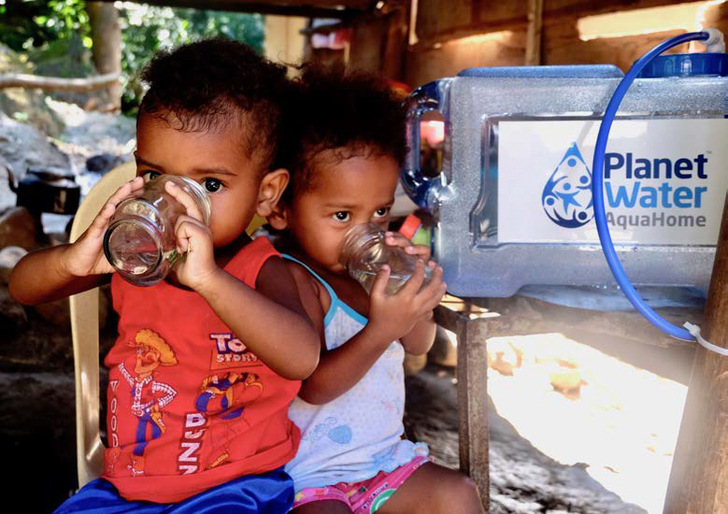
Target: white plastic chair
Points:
(85, 333)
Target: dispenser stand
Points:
(699, 476)
(472, 377)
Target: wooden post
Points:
(369, 39)
(395, 47)
(472, 377)
(699, 476)
(379, 41)
(106, 37)
(533, 36)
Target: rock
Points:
(102, 163)
(26, 104)
(18, 227)
(22, 146)
(9, 257)
(12, 315)
(501, 366)
(94, 133)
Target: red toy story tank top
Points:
(189, 406)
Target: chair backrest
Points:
(85, 333)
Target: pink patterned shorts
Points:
(363, 497)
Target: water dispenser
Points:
(513, 203)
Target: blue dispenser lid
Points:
(574, 71)
(686, 65)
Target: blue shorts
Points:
(269, 493)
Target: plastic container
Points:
(512, 204)
(365, 251)
(140, 242)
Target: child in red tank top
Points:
(207, 361)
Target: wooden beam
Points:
(325, 29)
(443, 20)
(533, 36)
(341, 9)
(699, 475)
(448, 54)
(58, 83)
(445, 60)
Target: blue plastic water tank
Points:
(513, 202)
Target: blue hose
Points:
(598, 187)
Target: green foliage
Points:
(28, 24)
(146, 29)
(67, 57)
(49, 31)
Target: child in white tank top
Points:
(347, 135)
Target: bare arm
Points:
(419, 340)
(60, 271)
(270, 320)
(391, 317)
(42, 277)
(342, 368)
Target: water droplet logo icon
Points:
(567, 196)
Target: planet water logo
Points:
(656, 191)
(567, 196)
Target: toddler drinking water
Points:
(208, 360)
(347, 142)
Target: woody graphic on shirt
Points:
(148, 396)
(223, 399)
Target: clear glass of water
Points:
(140, 242)
(365, 251)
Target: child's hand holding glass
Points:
(86, 256)
(194, 241)
(398, 240)
(394, 316)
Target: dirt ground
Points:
(36, 412)
(523, 479)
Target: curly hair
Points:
(149, 338)
(352, 113)
(213, 83)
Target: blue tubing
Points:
(598, 187)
